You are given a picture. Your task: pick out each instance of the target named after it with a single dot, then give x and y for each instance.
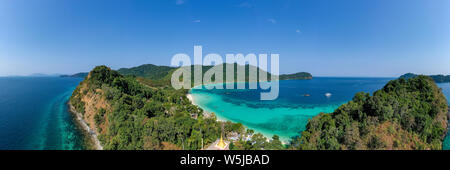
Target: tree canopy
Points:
(405, 114)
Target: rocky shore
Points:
(92, 134)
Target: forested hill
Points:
(160, 75)
(296, 76)
(129, 115)
(126, 114)
(436, 78)
(404, 114)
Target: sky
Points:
(350, 38)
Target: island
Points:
(296, 76)
(403, 115)
(136, 109)
(77, 75)
(436, 78)
(125, 113)
(160, 75)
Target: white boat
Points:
(328, 94)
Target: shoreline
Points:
(206, 113)
(92, 135)
(219, 119)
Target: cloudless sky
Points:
(325, 37)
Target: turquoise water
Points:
(288, 115)
(34, 114)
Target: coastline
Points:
(92, 134)
(205, 113)
(221, 119)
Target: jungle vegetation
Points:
(138, 109)
(132, 115)
(436, 78)
(404, 114)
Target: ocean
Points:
(446, 90)
(298, 101)
(34, 114)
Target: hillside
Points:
(296, 76)
(436, 78)
(404, 114)
(127, 115)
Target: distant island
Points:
(77, 75)
(436, 78)
(160, 75)
(404, 114)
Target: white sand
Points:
(189, 96)
(205, 113)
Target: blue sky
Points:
(324, 37)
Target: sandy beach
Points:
(205, 113)
(189, 96)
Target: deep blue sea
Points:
(34, 115)
(298, 101)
